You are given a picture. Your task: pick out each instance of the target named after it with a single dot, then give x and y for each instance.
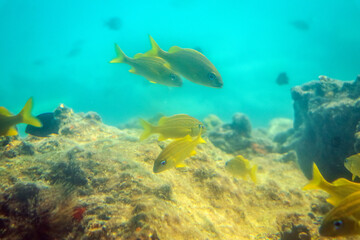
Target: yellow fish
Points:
(154, 69)
(240, 167)
(352, 164)
(338, 190)
(176, 152)
(189, 63)
(344, 219)
(176, 126)
(8, 121)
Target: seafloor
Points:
(110, 174)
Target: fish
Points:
(9, 121)
(352, 164)
(338, 189)
(50, 125)
(189, 63)
(282, 79)
(114, 23)
(176, 126)
(300, 25)
(240, 167)
(154, 69)
(176, 152)
(344, 219)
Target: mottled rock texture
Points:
(326, 115)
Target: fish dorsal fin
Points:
(4, 112)
(174, 49)
(11, 132)
(138, 55)
(162, 120)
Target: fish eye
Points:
(212, 76)
(163, 162)
(338, 224)
(172, 77)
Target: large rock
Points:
(326, 115)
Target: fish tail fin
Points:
(26, 116)
(155, 49)
(253, 173)
(148, 129)
(317, 180)
(120, 55)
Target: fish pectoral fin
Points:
(193, 152)
(180, 165)
(153, 82)
(132, 70)
(11, 132)
(353, 177)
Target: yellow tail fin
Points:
(26, 116)
(121, 57)
(148, 129)
(253, 173)
(317, 181)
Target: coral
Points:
(326, 116)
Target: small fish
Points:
(8, 121)
(240, 167)
(282, 79)
(338, 190)
(176, 152)
(352, 164)
(176, 126)
(154, 69)
(344, 219)
(189, 63)
(50, 125)
(114, 23)
(300, 24)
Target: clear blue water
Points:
(249, 42)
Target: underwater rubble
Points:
(326, 125)
(116, 195)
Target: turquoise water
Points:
(59, 52)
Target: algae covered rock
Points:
(326, 116)
(237, 136)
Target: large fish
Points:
(176, 152)
(50, 125)
(9, 121)
(240, 167)
(343, 220)
(154, 69)
(190, 63)
(176, 126)
(338, 190)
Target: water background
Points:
(58, 52)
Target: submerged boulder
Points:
(326, 115)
